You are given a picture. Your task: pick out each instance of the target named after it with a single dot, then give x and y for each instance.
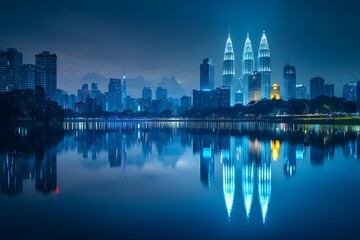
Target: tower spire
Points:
(124, 75)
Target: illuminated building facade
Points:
(275, 92)
(254, 84)
(301, 92)
(349, 91)
(229, 69)
(264, 66)
(247, 67)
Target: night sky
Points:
(158, 39)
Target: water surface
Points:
(176, 180)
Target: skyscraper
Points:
(161, 93)
(48, 62)
(124, 94)
(10, 73)
(147, 93)
(207, 74)
(289, 74)
(328, 90)
(255, 87)
(28, 76)
(349, 91)
(115, 90)
(301, 91)
(229, 69)
(247, 67)
(316, 87)
(4, 73)
(264, 66)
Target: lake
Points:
(180, 180)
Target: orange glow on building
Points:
(275, 92)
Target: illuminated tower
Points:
(124, 89)
(229, 69)
(228, 180)
(48, 61)
(264, 66)
(247, 67)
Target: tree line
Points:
(265, 107)
(29, 105)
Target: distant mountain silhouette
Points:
(135, 86)
(173, 86)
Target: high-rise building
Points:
(40, 76)
(255, 86)
(289, 74)
(207, 74)
(264, 66)
(72, 101)
(63, 99)
(247, 67)
(124, 93)
(229, 69)
(219, 97)
(328, 90)
(161, 93)
(28, 76)
(4, 74)
(147, 93)
(146, 99)
(275, 92)
(222, 96)
(83, 93)
(349, 91)
(316, 87)
(185, 101)
(48, 62)
(95, 92)
(301, 92)
(10, 72)
(116, 91)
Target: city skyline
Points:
(96, 38)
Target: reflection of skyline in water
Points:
(17, 167)
(242, 152)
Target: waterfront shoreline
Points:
(285, 119)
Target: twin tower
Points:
(255, 85)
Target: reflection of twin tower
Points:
(256, 171)
(255, 156)
(256, 84)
